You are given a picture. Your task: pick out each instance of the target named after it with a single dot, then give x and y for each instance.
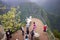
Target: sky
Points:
(40, 2)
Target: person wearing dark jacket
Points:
(32, 34)
(8, 34)
(27, 30)
(26, 37)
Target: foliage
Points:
(11, 20)
(54, 21)
(56, 33)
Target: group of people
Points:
(26, 34)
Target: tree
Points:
(11, 19)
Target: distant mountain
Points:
(52, 6)
(31, 9)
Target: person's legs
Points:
(27, 30)
(44, 30)
(31, 37)
(8, 38)
(23, 33)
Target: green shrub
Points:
(56, 33)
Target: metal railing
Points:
(50, 35)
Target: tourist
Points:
(34, 26)
(27, 25)
(26, 37)
(27, 31)
(8, 34)
(44, 28)
(32, 34)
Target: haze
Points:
(49, 5)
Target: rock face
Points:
(2, 33)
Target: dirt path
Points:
(39, 29)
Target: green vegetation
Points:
(11, 20)
(50, 35)
(55, 23)
(56, 33)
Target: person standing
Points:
(32, 34)
(27, 25)
(27, 31)
(26, 37)
(34, 26)
(45, 28)
(8, 34)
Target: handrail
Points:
(50, 35)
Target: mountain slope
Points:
(32, 9)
